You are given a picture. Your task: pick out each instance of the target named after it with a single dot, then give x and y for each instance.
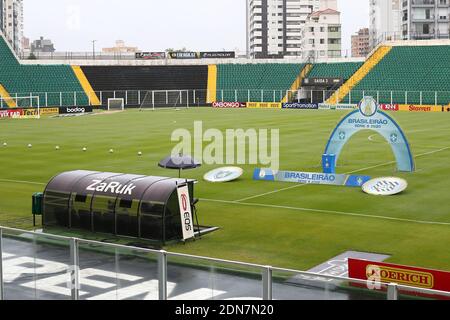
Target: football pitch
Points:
(279, 224)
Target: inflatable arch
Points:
(369, 117)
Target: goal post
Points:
(20, 102)
(164, 99)
(116, 104)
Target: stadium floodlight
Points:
(116, 104)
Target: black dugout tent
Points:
(122, 204)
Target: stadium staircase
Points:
(258, 82)
(291, 95)
(362, 72)
(6, 98)
(35, 80)
(422, 71)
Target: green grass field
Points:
(277, 224)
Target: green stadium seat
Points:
(36, 80)
(244, 81)
(414, 69)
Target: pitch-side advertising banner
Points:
(420, 108)
(228, 105)
(264, 105)
(310, 178)
(303, 106)
(404, 275)
(11, 113)
(75, 110)
(187, 222)
(49, 111)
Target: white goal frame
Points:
(151, 99)
(110, 100)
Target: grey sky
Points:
(156, 25)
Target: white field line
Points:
(350, 172)
(24, 182)
(352, 214)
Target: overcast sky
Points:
(156, 25)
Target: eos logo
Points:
(186, 214)
(76, 110)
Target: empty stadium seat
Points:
(235, 81)
(414, 69)
(334, 70)
(25, 80)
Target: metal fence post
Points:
(392, 293)
(435, 98)
(75, 275)
(162, 275)
(267, 283)
(1, 265)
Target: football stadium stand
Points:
(342, 70)
(414, 69)
(399, 73)
(36, 80)
(256, 77)
(135, 78)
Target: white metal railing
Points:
(167, 98)
(390, 291)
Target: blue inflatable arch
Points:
(379, 122)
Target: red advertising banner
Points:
(228, 105)
(403, 275)
(390, 107)
(11, 113)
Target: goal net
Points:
(116, 104)
(151, 100)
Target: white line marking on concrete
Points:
(353, 214)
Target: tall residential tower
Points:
(275, 28)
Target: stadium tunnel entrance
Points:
(145, 207)
(318, 90)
